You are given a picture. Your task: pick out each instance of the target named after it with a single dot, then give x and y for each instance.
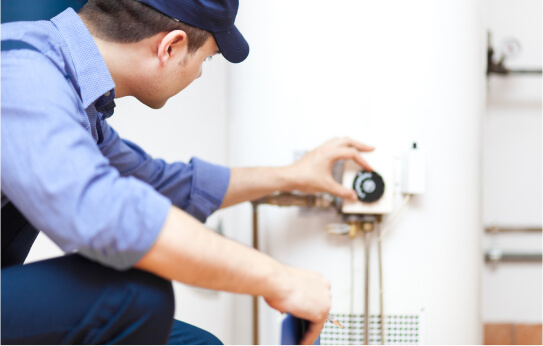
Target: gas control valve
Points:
(374, 189)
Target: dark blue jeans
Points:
(72, 300)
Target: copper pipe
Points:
(367, 241)
(381, 289)
(288, 199)
(255, 298)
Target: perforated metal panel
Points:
(400, 330)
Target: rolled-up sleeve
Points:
(197, 187)
(54, 173)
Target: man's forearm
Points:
(188, 252)
(247, 184)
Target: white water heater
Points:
(383, 73)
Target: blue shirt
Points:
(66, 170)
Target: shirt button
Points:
(107, 94)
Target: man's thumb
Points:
(343, 192)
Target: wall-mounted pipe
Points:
(496, 229)
(501, 70)
(497, 256)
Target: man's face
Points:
(178, 75)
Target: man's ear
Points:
(174, 44)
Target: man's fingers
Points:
(343, 192)
(353, 154)
(312, 333)
(349, 142)
(358, 159)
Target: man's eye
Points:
(208, 58)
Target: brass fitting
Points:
(368, 226)
(354, 227)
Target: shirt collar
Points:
(92, 73)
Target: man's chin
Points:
(154, 104)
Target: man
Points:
(133, 220)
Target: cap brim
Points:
(232, 45)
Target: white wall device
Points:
(413, 171)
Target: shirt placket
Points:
(105, 107)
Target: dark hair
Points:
(127, 21)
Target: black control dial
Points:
(369, 186)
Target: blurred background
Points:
(461, 263)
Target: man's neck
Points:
(121, 59)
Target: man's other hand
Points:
(304, 294)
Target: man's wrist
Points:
(288, 178)
(278, 282)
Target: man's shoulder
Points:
(28, 65)
(30, 77)
(37, 31)
(31, 52)
(40, 35)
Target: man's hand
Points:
(307, 295)
(313, 172)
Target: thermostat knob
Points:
(369, 186)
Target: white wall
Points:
(386, 73)
(512, 194)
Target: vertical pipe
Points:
(255, 298)
(367, 244)
(381, 298)
(351, 300)
(255, 320)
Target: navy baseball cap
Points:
(215, 16)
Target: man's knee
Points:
(149, 300)
(85, 303)
(150, 293)
(187, 334)
(136, 308)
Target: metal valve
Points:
(337, 228)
